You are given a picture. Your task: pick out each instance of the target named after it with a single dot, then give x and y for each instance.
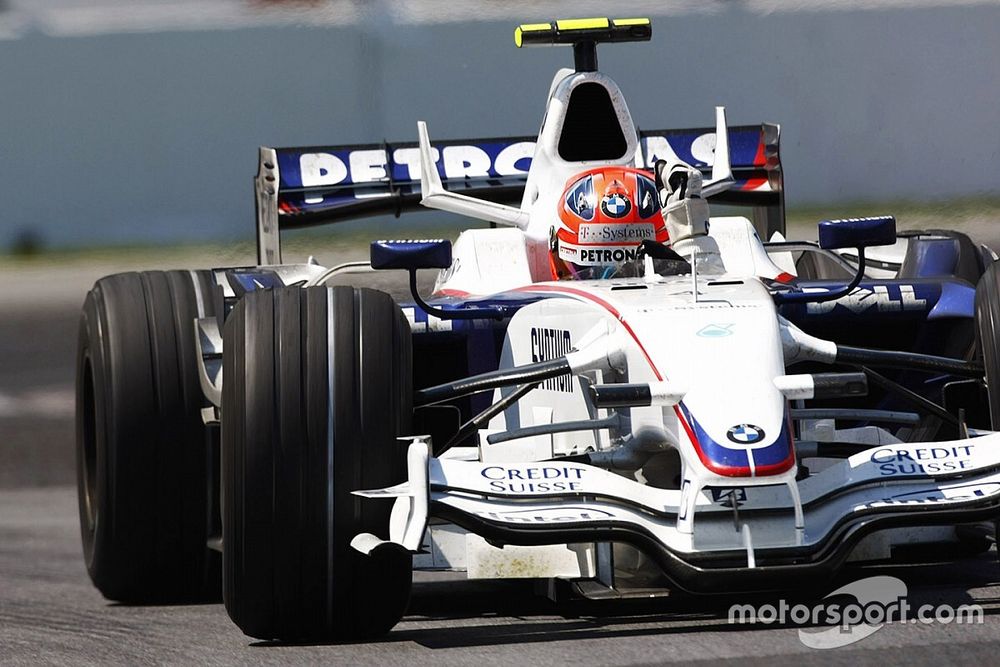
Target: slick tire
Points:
(317, 389)
(988, 335)
(141, 447)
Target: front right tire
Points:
(988, 335)
(317, 388)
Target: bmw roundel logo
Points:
(615, 205)
(745, 434)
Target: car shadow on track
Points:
(457, 614)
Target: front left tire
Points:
(143, 469)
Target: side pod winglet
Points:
(433, 194)
(722, 173)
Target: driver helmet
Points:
(604, 216)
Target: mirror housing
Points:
(857, 232)
(428, 254)
(411, 254)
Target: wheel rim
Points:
(89, 463)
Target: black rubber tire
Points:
(317, 389)
(142, 453)
(988, 335)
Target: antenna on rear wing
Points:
(434, 195)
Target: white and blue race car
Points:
(617, 403)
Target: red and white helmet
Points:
(604, 215)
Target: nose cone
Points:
(747, 450)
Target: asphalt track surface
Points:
(51, 614)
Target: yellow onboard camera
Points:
(583, 34)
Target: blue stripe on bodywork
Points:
(958, 299)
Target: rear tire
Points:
(317, 388)
(142, 454)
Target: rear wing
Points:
(302, 187)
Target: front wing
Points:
(735, 538)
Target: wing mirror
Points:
(411, 255)
(857, 233)
(427, 254)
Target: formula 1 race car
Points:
(608, 390)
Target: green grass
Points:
(967, 214)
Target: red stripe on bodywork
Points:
(753, 183)
(782, 466)
(760, 159)
(461, 294)
(777, 468)
(603, 304)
